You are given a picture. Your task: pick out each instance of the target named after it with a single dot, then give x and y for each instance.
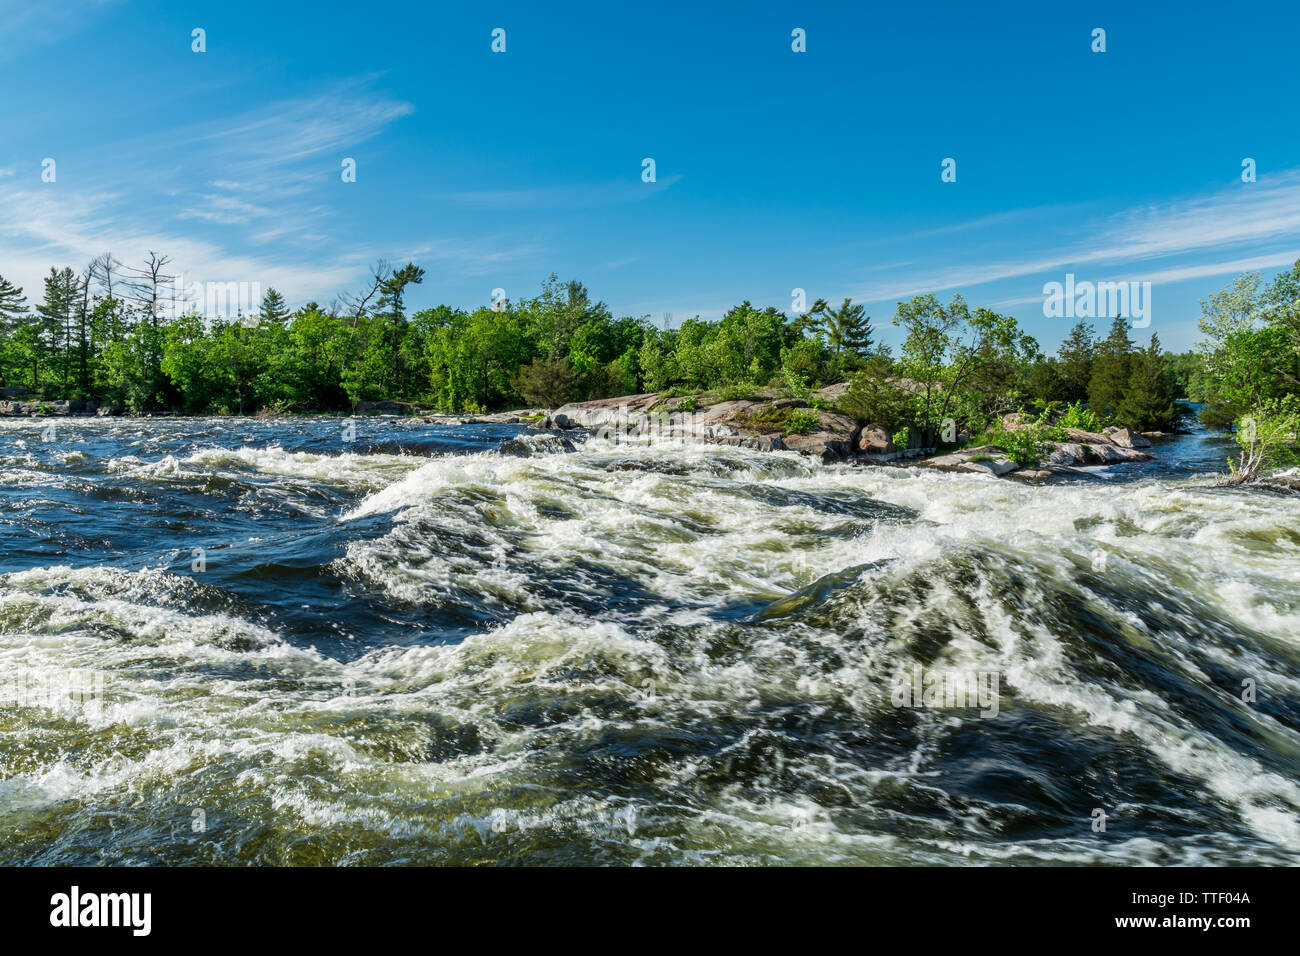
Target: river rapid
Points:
(228, 641)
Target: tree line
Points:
(100, 334)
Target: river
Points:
(230, 641)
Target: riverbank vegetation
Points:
(103, 335)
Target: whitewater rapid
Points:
(420, 650)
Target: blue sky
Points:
(775, 170)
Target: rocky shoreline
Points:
(66, 408)
(829, 435)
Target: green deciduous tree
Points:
(547, 382)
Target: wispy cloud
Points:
(254, 219)
(286, 133)
(270, 156)
(1184, 273)
(1249, 214)
(71, 226)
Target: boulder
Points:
(724, 411)
(837, 422)
(1069, 454)
(946, 462)
(1073, 454)
(1113, 454)
(721, 431)
(1128, 438)
(993, 466)
(621, 412)
(756, 442)
(826, 445)
(1106, 454)
(1079, 435)
(1132, 454)
(992, 461)
(875, 440)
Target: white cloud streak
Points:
(1259, 214)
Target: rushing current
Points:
(229, 641)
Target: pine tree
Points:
(1110, 370)
(847, 328)
(13, 304)
(1076, 355)
(273, 311)
(13, 310)
(1148, 400)
(392, 304)
(51, 345)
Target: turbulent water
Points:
(228, 641)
